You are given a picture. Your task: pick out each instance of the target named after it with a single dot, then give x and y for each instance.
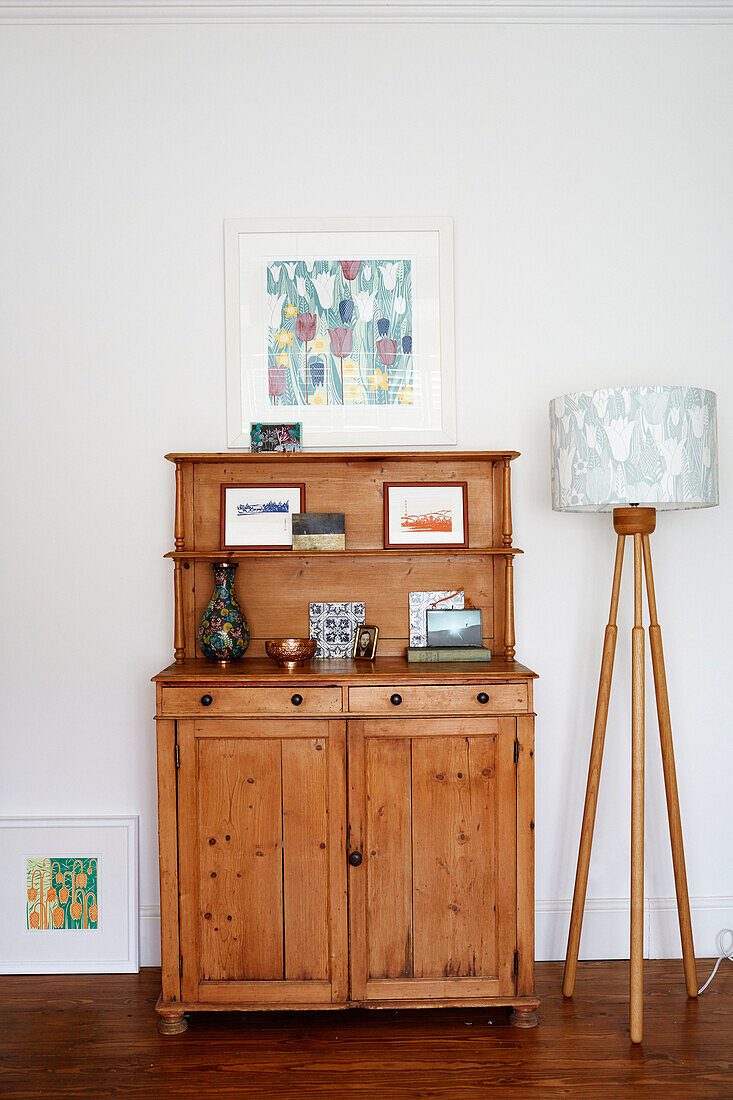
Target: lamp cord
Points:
(724, 952)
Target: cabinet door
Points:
(432, 906)
(261, 829)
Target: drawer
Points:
(437, 699)
(184, 702)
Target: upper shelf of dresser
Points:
(276, 586)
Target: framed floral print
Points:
(344, 325)
(70, 893)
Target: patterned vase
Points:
(223, 631)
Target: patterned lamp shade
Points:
(652, 445)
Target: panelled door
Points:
(262, 860)
(432, 900)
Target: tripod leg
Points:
(594, 776)
(636, 985)
(670, 779)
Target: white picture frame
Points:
(419, 414)
(110, 948)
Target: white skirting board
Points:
(605, 929)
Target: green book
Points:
(447, 653)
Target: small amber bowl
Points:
(291, 652)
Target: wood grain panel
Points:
(505, 881)
(431, 989)
(264, 995)
(439, 699)
(167, 848)
(525, 855)
(305, 858)
(356, 841)
(274, 593)
(351, 486)
(240, 831)
(229, 702)
(338, 931)
(188, 862)
(453, 827)
(388, 858)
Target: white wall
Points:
(588, 170)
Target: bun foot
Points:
(522, 1016)
(172, 1023)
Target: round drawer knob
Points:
(355, 859)
(207, 700)
(395, 699)
(296, 699)
(482, 697)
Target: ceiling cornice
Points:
(20, 12)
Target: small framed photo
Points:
(454, 628)
(426, 513)
(259, 517)
(275, 438)
(365, 643)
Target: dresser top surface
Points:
(381, 670)
(342, 457)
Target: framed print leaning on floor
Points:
(343, 324)
(70, 895)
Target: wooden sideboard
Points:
(350, 833)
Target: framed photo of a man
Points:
(365, 643)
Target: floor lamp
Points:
(634, 450)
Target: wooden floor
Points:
(95, 1036)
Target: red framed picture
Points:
(425, 514)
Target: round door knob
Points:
(395, 699)
(296, 699)
(355, 859)
(207, 700)
(482, 697)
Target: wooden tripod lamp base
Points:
(638, 523)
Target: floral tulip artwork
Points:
(365, 305)
(277, 381)
(305, 329)
(323, 282)
(387, 350)
(350, 268)
(59, 889)
(320, 313)
(342, 340)
(317, 369)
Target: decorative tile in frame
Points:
(344, 324)
(62, 893)
(73, 913)
(275, 438)
(429, 514)
(259, 517)
(334, 625)
(420, 602)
